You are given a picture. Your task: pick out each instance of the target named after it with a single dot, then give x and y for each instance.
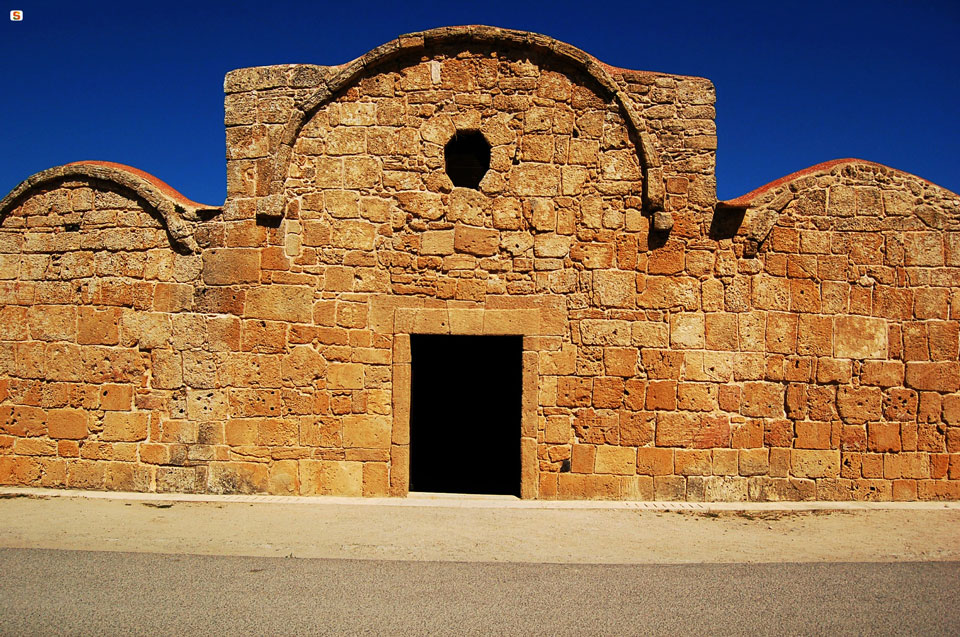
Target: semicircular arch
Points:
(647, 153)
(173, 207)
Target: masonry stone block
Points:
(354, 235)
(345, 376)
(616, 460)
(615, 288)
(556, 246)
(229, 477)
(476, 241)
(291, 303)
(52, 322)
(762, 399)
(227, 266)
(857, 406)
(167, 367)
(125, 426)
(701, 431)
(438, 242)
(71, 424)
(809, 463)
(941, 376)
(605, 332)
(328, 477)
(860, 337)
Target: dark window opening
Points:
(465, 394)
(467, 158)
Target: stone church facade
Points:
(797, 343)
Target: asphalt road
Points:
(89, 592)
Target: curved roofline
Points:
(763, 206)
(749, 199)
(161, 185)
(169, 204)
(653, 192)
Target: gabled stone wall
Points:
(93, 341)
(800, 342)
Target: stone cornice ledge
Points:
(175, 209)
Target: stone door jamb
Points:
(469, 322)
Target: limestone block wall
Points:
(846, 319)
(800, 342)
(94, 339)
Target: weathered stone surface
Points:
(440, 242)
(616, 460)
(942, 377)
(800, 342)
(281, 303)
(468, 206)
(553, 246)
(701, 431)
(860, 337)
(605, 332)
(538, 180)
(345, 376)
(614, 288)
(124, 426)
(236, 477)
(764, 400)
(324, 477)
(477, 241)
(421, 204)
(71, 424)
(361, 430)
(303, 366)
(506, 212)
(810, 463)
(687, 331)
(231, 265)
(354, 235)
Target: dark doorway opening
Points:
(465, 396)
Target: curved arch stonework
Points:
(175, 209)
(416, 43)
(801, 342)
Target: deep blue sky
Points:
(797, 82)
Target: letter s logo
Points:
(16, 16)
